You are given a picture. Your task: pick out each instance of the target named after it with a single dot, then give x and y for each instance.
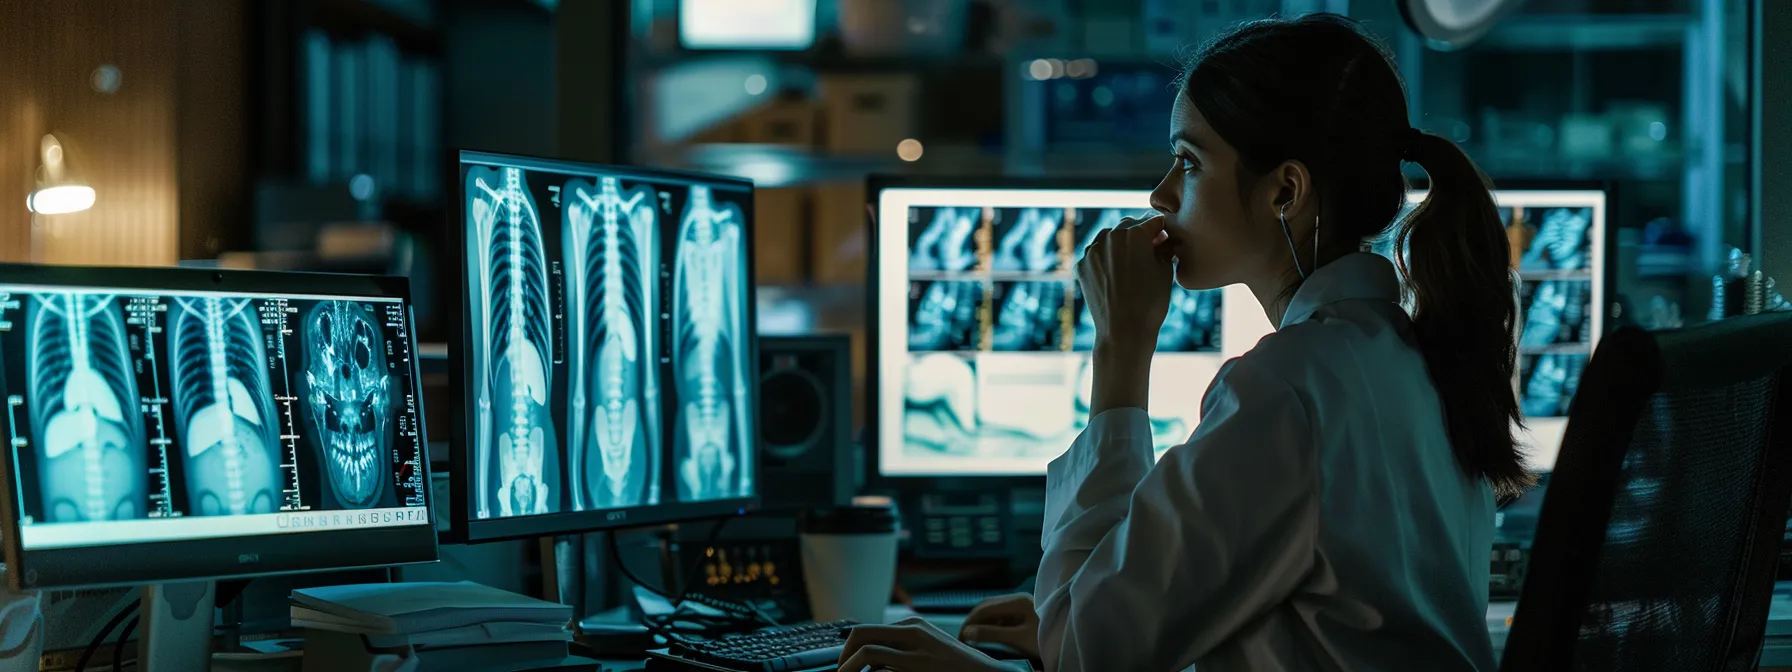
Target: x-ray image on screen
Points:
(1031, 316)
(1030, 240)
(1091, 221)
(1548, 382)
(224, 406)
(85, 410)
(1555, 312)
(515, 447)
(614, 416)
(710, 351)
(944, 239)
(945, 315)
(1193, 323)
(349, 391)
(940, 404)
(1563, 240)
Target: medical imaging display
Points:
(946, 315)
(607, 335)
(133, 404)
(1563, 240)
(1032, 316)
(1030, 239)
(1547, 383)
(947, 239)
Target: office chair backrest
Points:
(1660, 533)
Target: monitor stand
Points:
(177, 627)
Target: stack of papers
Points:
(459, 626)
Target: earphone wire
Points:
(1294, 251)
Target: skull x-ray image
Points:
(1548, 383)
(1563, 240)
(1031, 316)
(709, 351)
(516, 469)
(945, 315)
(349, 394)
(224, 406)
(939, 403)
(1030, 239)
(944, 239)
(92, 461)
(613, 419)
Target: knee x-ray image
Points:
(710, 351)
(614, 417)
(515, 447)
(1548, 383)
(1030, 239)
(944, 239)
(1563, 240)
(945, 315)
(85, 412)
(224, 407)
(349, 393)
(1030, 316)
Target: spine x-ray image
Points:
(1549, 383)
(1029, 239)
(350, 400)
(1030, 316)
(224, 406)
(614, 415)
(514, 443)
(85, 410)
(943, 239)
(710, 354)
(945, 315)
(1562, 240)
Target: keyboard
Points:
(784, 648)
(952, 601)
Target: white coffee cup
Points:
(849, 562)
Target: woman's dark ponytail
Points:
(1458, 267)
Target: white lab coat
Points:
(1316, 519)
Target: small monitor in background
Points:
(607, 348)
(746, 24)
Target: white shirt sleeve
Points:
(1149, 568)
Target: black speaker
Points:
(805, 422)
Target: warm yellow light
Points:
(60, 199)
(909, 150)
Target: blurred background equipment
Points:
(1454, 24)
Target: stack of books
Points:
(461, 626)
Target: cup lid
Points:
(849, 520)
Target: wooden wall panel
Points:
(124, 143)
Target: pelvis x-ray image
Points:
(943, 239)
(224, 406)
(939, 404)
(1555, 311)
(514, 443)
(1562, 241)
(613, 422)
(1030, 316)
(1030, 239)
(1548, 383)
(945, 315)
(92, 455)
(348, 393)
(710, 351)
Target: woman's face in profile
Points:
(1217, 239)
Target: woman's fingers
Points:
(1020, 637)
(881, 657)
(1005, 610)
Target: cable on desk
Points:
(98, 639)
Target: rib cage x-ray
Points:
(514, 443)
(614, 417)
(349, 394)
(85, 410)
(224, 407)
(710, 351)
(1029, 239)
(943, 239)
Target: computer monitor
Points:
(183, 424)
(607, 348)
(981, 342)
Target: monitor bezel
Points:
(467, 529)
(219, 558)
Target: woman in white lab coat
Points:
(1334, 508)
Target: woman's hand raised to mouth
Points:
(1125, 275)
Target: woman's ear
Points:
(1290, 184)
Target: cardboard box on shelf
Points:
(838, 248)
(866, 114)
(779, 217)
(782, 122)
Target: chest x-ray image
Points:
(515, 449)
(92, 453)
(1030, 239)
(945, 315)
(224, 406)
(943, 239)
(349, 397)
(710, 351)
(1030, 316)
(1562, 241)
(1549, 383)
(613, 420)
(939, 403)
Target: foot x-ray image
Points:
(1555, 312)
(1030, 316)
(710, 336)
(92, 453)
(945, 315)
(1563, 239)
(515, 446)
(939, 403)
(614, 418)
(224, 407)
(945, 239)
(1547, 383)
(1030, 239)
(349, 393)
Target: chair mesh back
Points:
(1682, 522)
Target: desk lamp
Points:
(59, 190)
